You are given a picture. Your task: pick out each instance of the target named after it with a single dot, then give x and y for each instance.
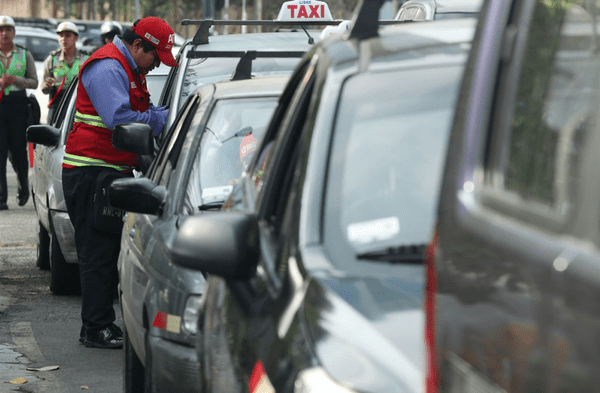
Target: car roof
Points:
(256, 87)
(404, 45)
(279, 41)
(443, 31)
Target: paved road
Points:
(38, 329)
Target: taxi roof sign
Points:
(304, 10)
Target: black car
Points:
(203, 154)
(316, 262)
(514, 284)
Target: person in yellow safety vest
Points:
(111, 91)
(17, 73)
(62, 65)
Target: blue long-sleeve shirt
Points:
(107, 85)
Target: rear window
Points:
(387, 158)
(40, 47)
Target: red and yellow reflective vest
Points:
(90, 141)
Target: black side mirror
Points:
(134, 137)
(138, 195)
(43, 134)
(224, 243)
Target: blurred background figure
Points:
(108, 31)
(62, 65)
(17, 73)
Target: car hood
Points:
(368, 332)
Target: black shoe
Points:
(105, 338)
(3, 206)
(22, 200)
(114, 328)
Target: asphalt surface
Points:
(39, 329)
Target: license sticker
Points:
(374, 230)
(212, 194)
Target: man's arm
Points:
(108, 88)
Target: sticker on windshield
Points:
(370, 231)
(211, 194)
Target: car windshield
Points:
(234, 129)
(387, 158)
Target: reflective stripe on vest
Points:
(89, 119)
(71, 159)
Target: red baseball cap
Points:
(160, 35)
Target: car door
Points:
(518, 254)
(241, 320)
(139, 239)
(48, 159)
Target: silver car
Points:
(56, 239)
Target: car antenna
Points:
(310, 39)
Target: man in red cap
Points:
(112, 90)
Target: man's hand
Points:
(7, 80)
(49, 82)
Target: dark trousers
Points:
(97, 252)
(13, 124)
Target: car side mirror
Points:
(137, 195)
(224, 244)
(134, 137)
(43, 134)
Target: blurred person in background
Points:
(62, 65)
(18, 73)
(108, 31)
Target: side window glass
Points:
(545, 114)
(171, 147)
(232, 133)
(286, 114)
(65, 104)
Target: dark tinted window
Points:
(548, 113)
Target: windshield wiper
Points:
(402, 254)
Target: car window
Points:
(166, 161)
(39, 47)
(387, 158)
(297, 89)
(546, 112)
(232, 133)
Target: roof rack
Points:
(244, 68)
(201, 36)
